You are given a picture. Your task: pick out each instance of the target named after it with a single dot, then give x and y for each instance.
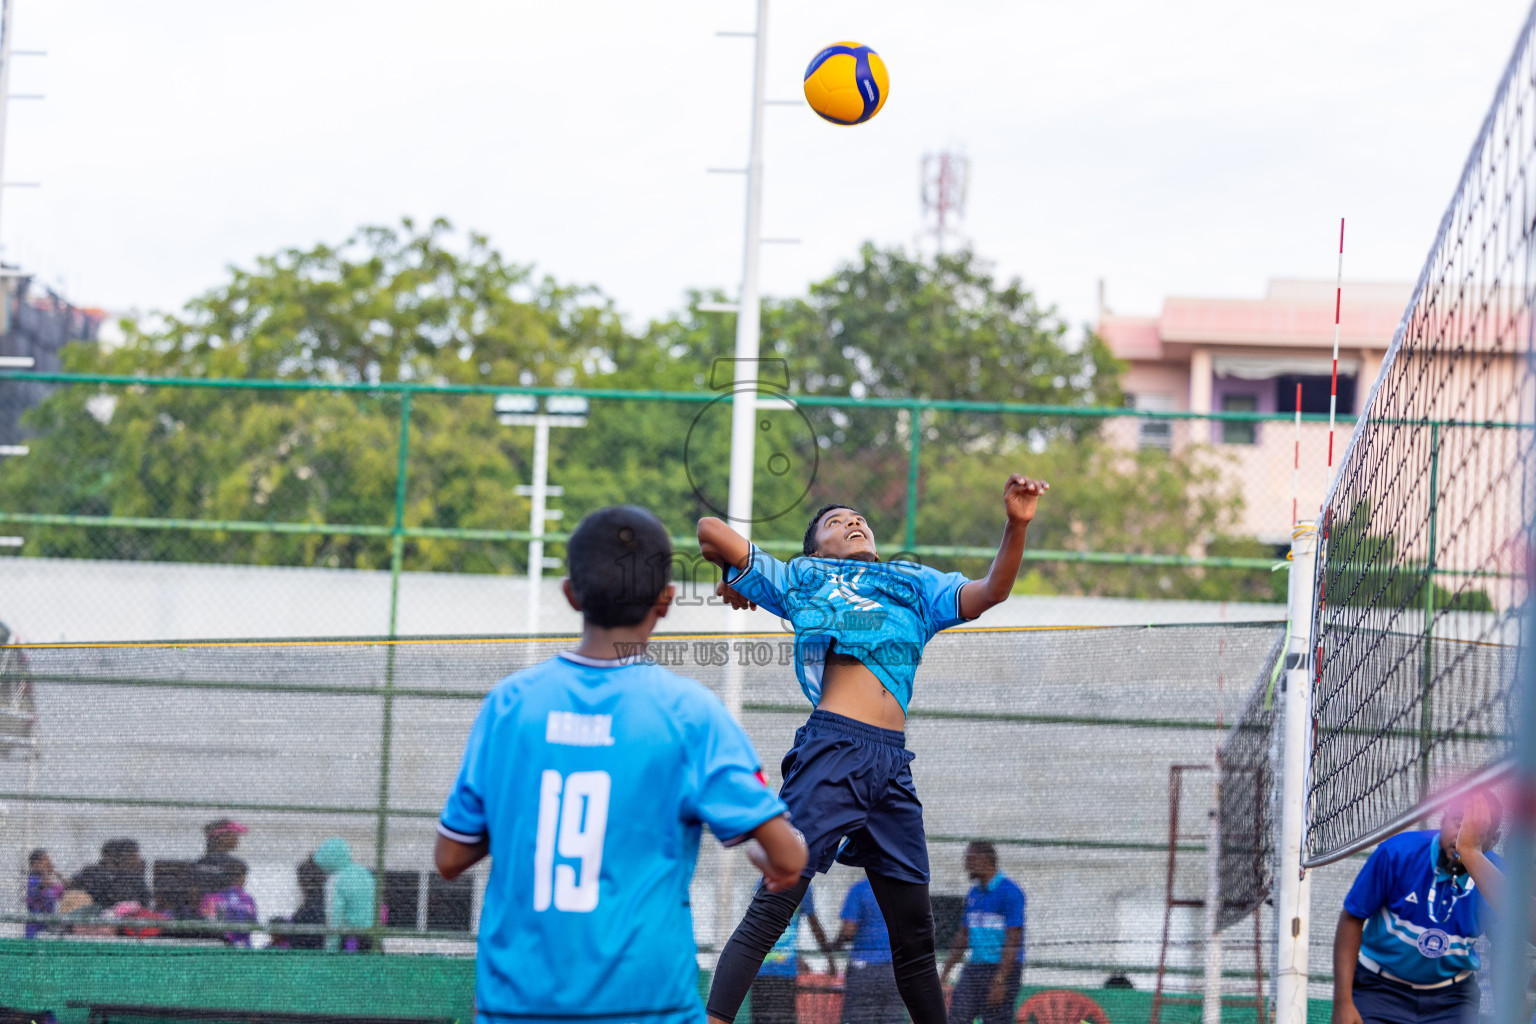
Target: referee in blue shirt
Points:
(993, 928)
(1403, 952)
(869, 991)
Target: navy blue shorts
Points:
(1382, 1001)
(850, 793)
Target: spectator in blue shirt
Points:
(870, 995)
(993, 929)
(777, 982)
(1403, 951)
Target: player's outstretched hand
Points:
(1476, 820)
(732, 598)
(1021, 495)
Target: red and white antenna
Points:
(1296, 459)
(1333, 391)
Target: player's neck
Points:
(616, 642)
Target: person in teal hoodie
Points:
(349, 894)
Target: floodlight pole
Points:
(7, 23)
(744, 411)
(749, 312)
(1293, 900)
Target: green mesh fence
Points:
(179, 509)
(1054, 744)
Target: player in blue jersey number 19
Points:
(860, 628)
(586, 779)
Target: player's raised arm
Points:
(720, 544)
(1021, 495)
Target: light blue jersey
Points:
(882, 613)
(592, 780)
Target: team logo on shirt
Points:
(1434, 943)
(1412, 897)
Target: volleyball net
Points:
(1421, 572)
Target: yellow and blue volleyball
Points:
(846, 83)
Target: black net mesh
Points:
(1421, 568)
(1055, 744)
(1246, 798)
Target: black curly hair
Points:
(809, 545)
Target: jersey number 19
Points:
(574, 823)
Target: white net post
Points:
(1211, 1007)
(1293, 895)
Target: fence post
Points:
(914, 449)
(386, 735)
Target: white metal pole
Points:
(537, 517)
(1211, 1009)
(1293, 901)
(7, 14)
(744, 410)
(749, 316)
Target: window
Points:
(1153, 433)
(1240, 432)
(1314, 393)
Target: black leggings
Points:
(908, 917)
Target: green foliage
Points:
(418, 304)
(1367, 569)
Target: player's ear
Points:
(570, 593)
(664, 600)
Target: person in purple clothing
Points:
(44, 887)
(870, 995)
(231, 904)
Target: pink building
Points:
(1248, 355)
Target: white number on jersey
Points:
(575, 824)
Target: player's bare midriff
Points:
(850, 689)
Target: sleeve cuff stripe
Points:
(459, 837)
(746, 833)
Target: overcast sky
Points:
(1192, 147)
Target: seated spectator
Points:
(44, 887)
(118, 877)
(231, 903)
(311, 909)
(220, 839)
(349, 896)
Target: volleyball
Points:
(846, 83)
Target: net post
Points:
(1293, 898)
(1210, 1012)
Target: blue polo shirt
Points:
(783, 960)
(1420, 920)
(871, 940)
(882, 613)
(990, 910)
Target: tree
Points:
(386, 305)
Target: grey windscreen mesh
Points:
(1247, 800)
(1055, 744)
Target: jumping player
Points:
(586, 780)
(860, 628)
